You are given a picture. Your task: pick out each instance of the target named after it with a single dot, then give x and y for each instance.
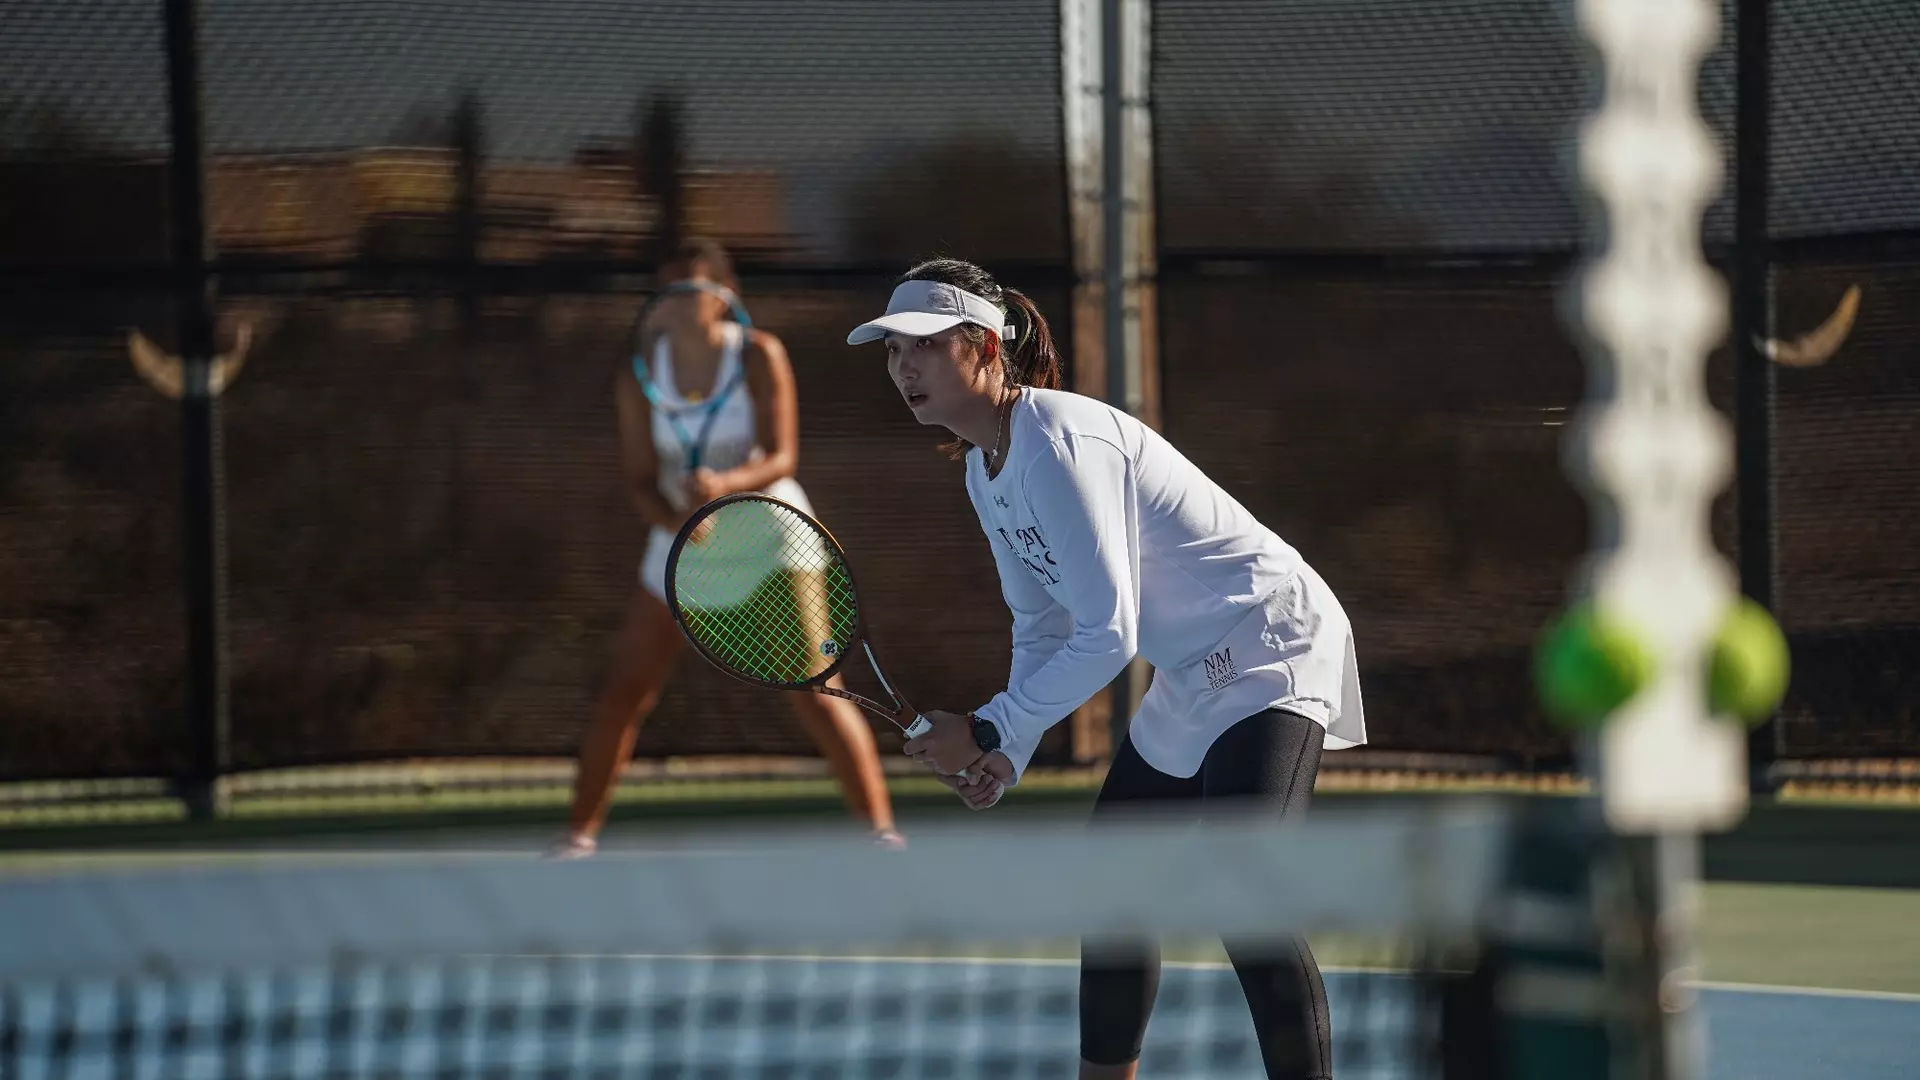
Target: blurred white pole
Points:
(1649, 447)
(1652, 452)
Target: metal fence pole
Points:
(1082, 124)
(1113, 232)
(1113, 211)
(1752, 318)
(1127, 257)
(200, 471)
(468, 207)
(662, 169)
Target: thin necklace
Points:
(1003, 421)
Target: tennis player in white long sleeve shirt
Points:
(1110, 544)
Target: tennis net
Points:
(799, 954)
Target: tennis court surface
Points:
(1450, 931)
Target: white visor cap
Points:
(924, 308)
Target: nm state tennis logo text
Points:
(1031, 548)
(1220, 669)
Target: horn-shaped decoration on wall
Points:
(1817, 346)
(167, 373)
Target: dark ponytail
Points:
(1031, 359)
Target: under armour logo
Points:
(1000, 501)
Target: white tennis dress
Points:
(731, 442)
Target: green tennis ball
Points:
(1587, 666)
(1750, 665)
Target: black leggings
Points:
(1269, 759)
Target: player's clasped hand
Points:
(947, 749)
(950, 749)
(703, 486)
(979, 790)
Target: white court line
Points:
(849, 958)
(1809, 991)
(1193, 965)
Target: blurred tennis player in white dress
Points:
(707, 408)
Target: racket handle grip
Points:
(920, 726)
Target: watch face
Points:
(985, 735)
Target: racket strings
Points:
(768, 637)
(765, 594)
(750, 635)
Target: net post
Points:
(1754, 376)
(200, 436)
(1544, 992)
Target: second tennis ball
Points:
(1750, 665)
(1588, 665)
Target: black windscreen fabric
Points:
(1403, 432)
(1847, 466)
(83, 133)
(92, 611)
(432, 547)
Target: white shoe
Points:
(889, 839)
(573, 846)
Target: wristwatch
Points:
(985, 735)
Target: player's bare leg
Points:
(1090, 1071)
(837, 727)
(840, 731)
(643, 657)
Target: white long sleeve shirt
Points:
(1110, 543)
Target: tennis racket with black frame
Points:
(701, 410)
(763, 591)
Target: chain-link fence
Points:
(435, 220)
(1366, 218)
(439, 568)
(1848, 514)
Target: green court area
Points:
(1821, 936)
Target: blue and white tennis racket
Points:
(697, 410)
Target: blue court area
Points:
(1764, 1034)
(767, 1016)
(1753, 1033)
